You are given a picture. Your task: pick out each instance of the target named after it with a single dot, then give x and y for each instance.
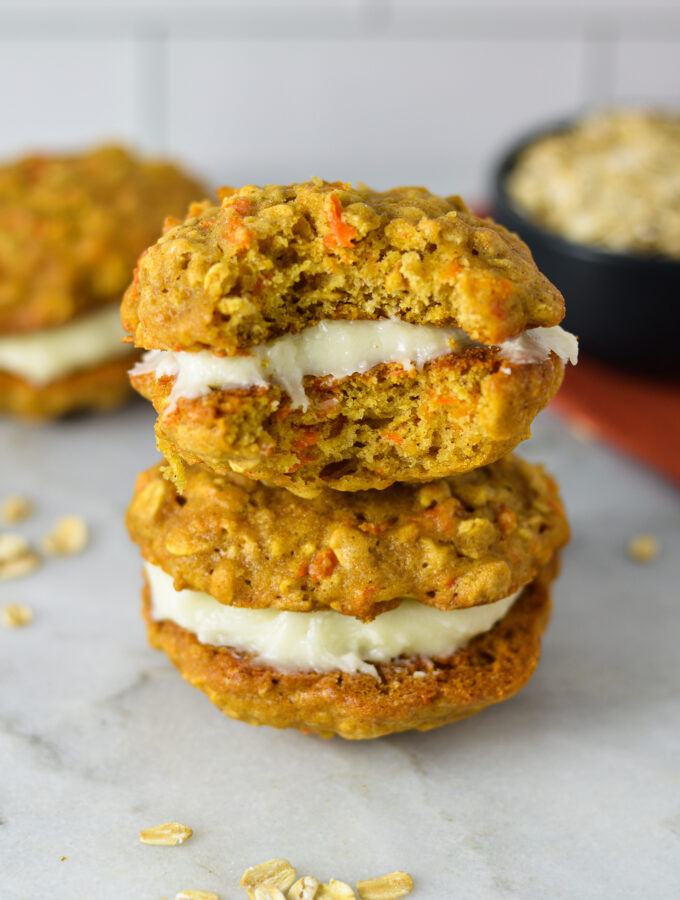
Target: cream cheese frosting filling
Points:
(43, 356)
(322, 641)
(336, 348)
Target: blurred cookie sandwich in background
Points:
(71, 229)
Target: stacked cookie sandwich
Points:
(71, 229)
(339, 541)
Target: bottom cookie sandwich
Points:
(101, 388)
(353, 614)
(80, 365)
(413, 667)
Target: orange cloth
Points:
(635, 413)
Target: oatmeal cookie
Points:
(72, 227)
(454, 543)
(364, 431)
(412, 693)
(101, 387)
(275, 260)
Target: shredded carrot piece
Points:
(445, 400)
(554, 504)
(453, 270)
(170, 222)
(306, 439)
(442, 515)
(392, 436)
(236, 232)
(243, 206)
(366, 592)
(341, 234)
(507, 519)
(302, 571)
(375, 527)
(323, 565)
(134, 292)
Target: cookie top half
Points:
(275, 260)
(457, 542)
(72, 227)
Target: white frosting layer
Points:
(536, 344)
(322, 641)
(335, 348)
(43, 356)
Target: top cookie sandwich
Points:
(71, 229)
(317, 335)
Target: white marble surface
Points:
(571, 790)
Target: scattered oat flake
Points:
(387, 887)
(197, 895)
(266, 892)
(16, 556)
(167, 835)
(12, 546)
(15, 509)
(15, 615)
(69, 536)
(335, 890)
(276, 872)
(19, 567)
(643, 548)
(305, 888)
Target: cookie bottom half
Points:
(408, 694)
(101, 387)
(362, 432)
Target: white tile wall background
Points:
(382, 91)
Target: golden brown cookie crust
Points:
(490, 669)
(72, 227)
(102, 387)
(454, 543)
(277, 259)
(362, 432)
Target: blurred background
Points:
(382, 91)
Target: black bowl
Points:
(625, 308)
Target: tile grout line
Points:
(151, 94)
(598, 70)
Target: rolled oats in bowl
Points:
(611, 180)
